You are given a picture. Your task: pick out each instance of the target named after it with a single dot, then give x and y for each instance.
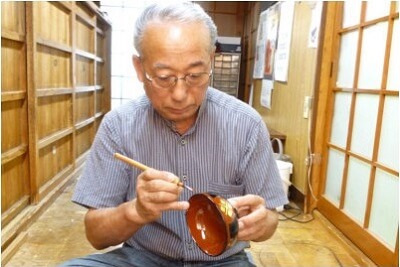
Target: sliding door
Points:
(359, 192)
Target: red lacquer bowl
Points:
(213, 223)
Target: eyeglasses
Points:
(191, 79)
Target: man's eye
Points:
(164, 78)
(195, 75)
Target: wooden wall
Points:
(55, 90)
(286, 114)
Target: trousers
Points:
(127, 256)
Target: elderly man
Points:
(183, 129)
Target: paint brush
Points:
(144, 167)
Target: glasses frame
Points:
(176, 78)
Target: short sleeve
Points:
(104, 181)
(259, 169)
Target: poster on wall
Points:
(258, 72)
(267, 35)
(284, 40)
(271, 41)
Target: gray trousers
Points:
(127, 256)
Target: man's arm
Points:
(155, 193)
(112, 226)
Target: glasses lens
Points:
(197, 79)
(164, 82)
(191, 79)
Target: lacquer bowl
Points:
(213, 223)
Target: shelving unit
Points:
(55, 91)
(226, 72)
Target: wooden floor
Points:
(58, 235)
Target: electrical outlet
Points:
(307, 161)
(307, 106)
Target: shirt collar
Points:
(200, 112)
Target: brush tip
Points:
(188, 188)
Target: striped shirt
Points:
(227, 152)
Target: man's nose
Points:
(180, 89)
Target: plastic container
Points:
(285, 170)
(280, 155)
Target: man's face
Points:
(170, 49)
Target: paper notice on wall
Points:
(313, 36)
(284, 39)
(266, 93)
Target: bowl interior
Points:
(207, 225)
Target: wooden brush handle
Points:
(131, 162)
(141, 166)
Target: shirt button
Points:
(184, 177)
(183, 142)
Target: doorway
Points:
(357, 127)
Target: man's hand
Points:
(256, 222)
(156, 193)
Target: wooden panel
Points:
(98, 122)
(59, 29)
(12, 17)
(13, 66)
(53, 68)
(249, 38)
(53, 159)
(208, 6)
(100, 44)
(228, 16)
(84, 106)
(226, 7)
(53, 56)
(85, 12)
(84, 36)
(99, 101)
(13, 124)
(14, 181)
(100, 73)
(83, 139)
(226, 24)
(53, 114)
(84, 71)
(14, 168)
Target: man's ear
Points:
(212, 55)
(137, 64)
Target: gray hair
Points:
(183, 12)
